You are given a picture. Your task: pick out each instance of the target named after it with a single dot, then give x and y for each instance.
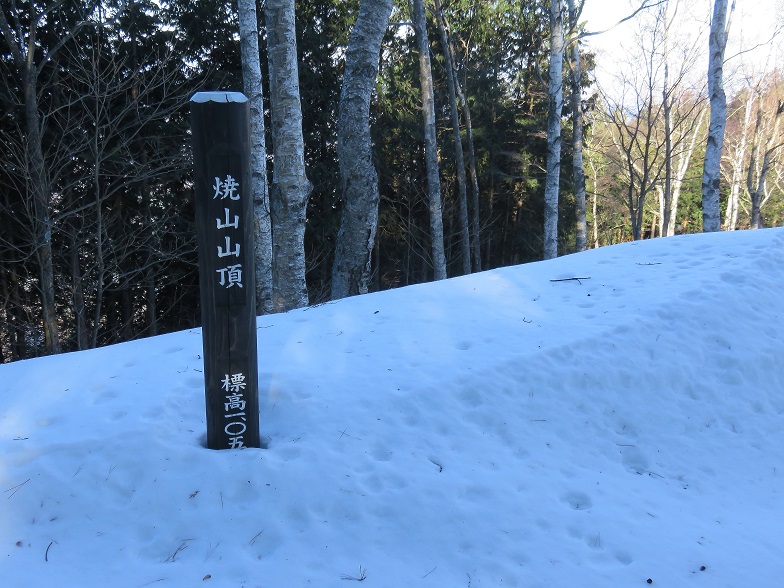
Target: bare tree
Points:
(683, 111)
(109, 211)
(657, 120)
(635, 122)
(679, 151)
(465, 241)
(116, 234)
(359, 179)
(572, 41)
(738, 141)
(30, 58)
(595, 150)
(764, 146)
(466, 110)
(290, 186)
(431, 148)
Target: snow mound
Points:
(597, 420)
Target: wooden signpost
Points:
(224, 206)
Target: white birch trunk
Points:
(736, 168)
(666, 210)
(475, 220)
(595, 208)
(359, 179)
(553, 162)
(578, 167)
(253, 86)
(711, 173)
(757, 177)
(476, 245)
(290, 185)
(465, 241)
(661, 194)
(680, 174)
(431, 147)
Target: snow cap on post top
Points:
(219, 97)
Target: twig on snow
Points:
(46, 554)
(571, 280)
(16, 488)
(362, 575)
(183, 546)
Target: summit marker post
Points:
(224, 208)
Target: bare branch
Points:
(643, 6)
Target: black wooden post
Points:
(224, 207)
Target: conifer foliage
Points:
(97, 239)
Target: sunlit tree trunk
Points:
(553, 161)
(680, 174)
(760, 160)
(668, 148)
(736, 168)
(711, 173)
(578, 168)
(476, 245)
(595, 210)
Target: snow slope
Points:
(500, 429)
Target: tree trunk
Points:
(290, 185)
(595, 210)
(100, 260)
(359, 179)
(476, 245)
(127, 328)
(465, 241)
(578, 168)
(152, 302)
(635, 210)
(553, 162)
(16, 317)
(738, 157)
(431, 147)
(668, 150)
(6, 314)
(22, 45)
(711, 172)
(757, 187)
(475, 212)
(79, 309)
(254, 90)
(680, 174)
(42, 221)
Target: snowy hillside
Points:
(517, 427)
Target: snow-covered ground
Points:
(503, 429)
